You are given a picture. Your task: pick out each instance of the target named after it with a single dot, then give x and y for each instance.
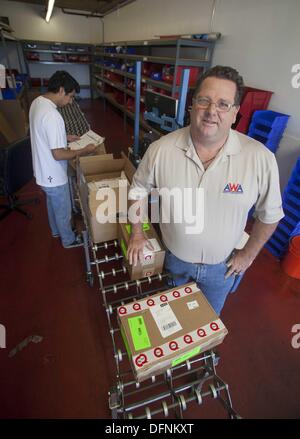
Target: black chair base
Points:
(14, 204)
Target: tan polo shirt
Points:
(243, 173)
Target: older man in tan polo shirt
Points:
(234, 172)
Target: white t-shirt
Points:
(47, 132)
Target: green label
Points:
(139, 333)
(128, 228)
(126, 342)
(186, 356)
(124, 248)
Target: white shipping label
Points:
(165, 319)
(192, 305)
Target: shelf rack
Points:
(46, 50)
(175, 52)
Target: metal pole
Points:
(137, 108)
(182, 99)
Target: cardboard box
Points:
(166, 329)
(100, 150)
(97, 185)
(96, 168)
(13, 125)
(153, 260)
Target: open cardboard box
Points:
(166, 329)
(153, 260)
(97, 168)
(100, 150)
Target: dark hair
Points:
(224, 72)
(65, 80)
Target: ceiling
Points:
(99, 7)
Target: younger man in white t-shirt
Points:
(50, 153)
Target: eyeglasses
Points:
(221, 105)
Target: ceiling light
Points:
(49, 10)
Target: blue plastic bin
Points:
(267, 127)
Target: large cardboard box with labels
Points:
(153, 259)
(103, 189)
(166, 329)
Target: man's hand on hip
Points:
(238, 263)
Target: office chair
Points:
(15, 171)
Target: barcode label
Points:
(169, 325)
(165, 319)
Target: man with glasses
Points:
(235, 173)
(50, 154)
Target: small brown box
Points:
(153, 260)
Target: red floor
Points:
(68, 373)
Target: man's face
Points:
(65, 98)
(210, 125)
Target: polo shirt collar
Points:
(232, 145)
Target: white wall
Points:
(260, 38)
(28, 22)
(149, 18)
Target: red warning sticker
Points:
(173, 345)
(158, 352)
(141, 360)
(214, 326)
(176, 294)
(150, 302)
(188, 339)
(201, 333)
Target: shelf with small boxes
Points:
(43, 58)
(162, 64)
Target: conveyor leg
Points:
(89, 274)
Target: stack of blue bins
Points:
(279, 242)
(267, 127)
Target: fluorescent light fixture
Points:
(49, 10)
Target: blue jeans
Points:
(60, 212)
(210, 278)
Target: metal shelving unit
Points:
(46, 51)
(6, 37)
(175, 52)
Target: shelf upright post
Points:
(176, 67)
(182, 98)
(137, 108)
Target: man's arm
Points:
(69, 154)
(242, 259)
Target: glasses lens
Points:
(223, 106)
(220, 105)
(202, 102)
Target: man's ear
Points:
(61, 91)
(236, 110)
